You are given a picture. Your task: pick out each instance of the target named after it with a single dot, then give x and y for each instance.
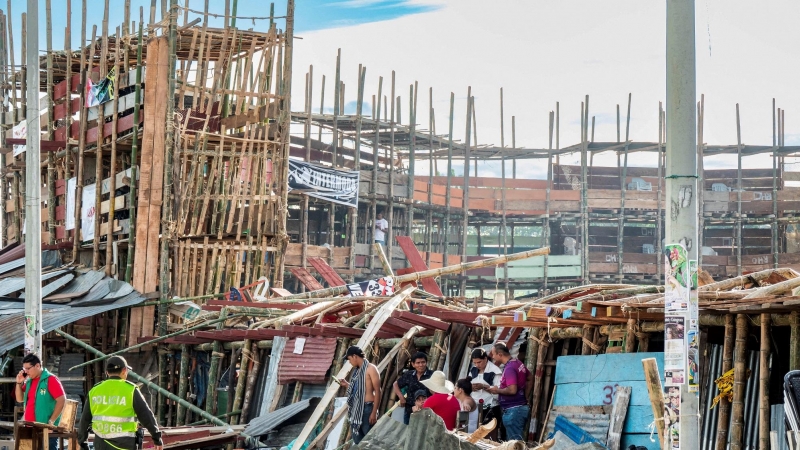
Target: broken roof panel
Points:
(11, 325)
(264, 424)
(309, 366)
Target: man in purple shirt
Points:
(511, 393)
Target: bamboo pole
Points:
(387, 266)
(412, 123)
(213, 371)
(134, 158)
(465, 193)
(183, 383)
(417, 276)
(739, 228)
(503, 199)
(51, 188)
(112, 187)
(448, 195)
(546, 225)
(656, 393)
(241, 381)
(390, 203)
(763, 385)
(147, 382)
(252, 377)
(739, 382)
(623, 192)
(362, 72)
(724, 406)
(369, 235)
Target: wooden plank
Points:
(328, 274)
(306, 278)
(418, 264)
(366, 340)
(619, 411)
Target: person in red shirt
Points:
(443, 403)
(41, 393)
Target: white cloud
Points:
(541, 52)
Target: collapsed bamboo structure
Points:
(179, 185)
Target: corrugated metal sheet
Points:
(777, 419)
(11, 265)
(264, 424)
(589, 418)
(309, 366)
(16, 252)
(84, 282)
(14, 284)
(12, 324)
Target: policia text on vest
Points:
(113, 410)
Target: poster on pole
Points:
(337, 186)
(87, 212)
(69, 219)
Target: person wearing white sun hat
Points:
(443, 403)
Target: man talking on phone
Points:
(363, 393)
(42, 394)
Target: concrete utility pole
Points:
(33, 190)
(681, 167)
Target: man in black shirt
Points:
(411, 380)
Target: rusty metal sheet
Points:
(327, 272)
(311, 365)
(306, 278)
(417, 263)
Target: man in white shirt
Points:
(381, 225)
(485, 374)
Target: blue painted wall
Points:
(591, 380)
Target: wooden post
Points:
(739, 381)
(307, 132)
(503, 198)
(656, 393)
(51, 182)
(630, 337)
(584, 187)
(738, 194)
(546, 224)
(337, 92)
(465, 193)
(774, 192)
(369, 235)
(447, 195)
(763, 385)
(623, 193)
(727, 364)
(429, 212)
(619, 409)
(412, 119)
(390, 200)
(362, 72)
(112, 186)
(544, 349)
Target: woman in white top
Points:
(462, 392)
(482, 375)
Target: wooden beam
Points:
(656, 393)
(619, 409)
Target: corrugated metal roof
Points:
(14, 253)
(585, 417)
(14, 284)
(11, 325)
(309, 366)
(264, 424)
(84, 282)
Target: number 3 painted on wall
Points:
(609, 390)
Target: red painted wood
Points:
(306, 278)
(418, 264)
(421, 320)
(331, 277)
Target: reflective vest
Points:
(111, 404)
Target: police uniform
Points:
(113, 410)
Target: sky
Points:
(540, 52)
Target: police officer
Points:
(112, 410)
